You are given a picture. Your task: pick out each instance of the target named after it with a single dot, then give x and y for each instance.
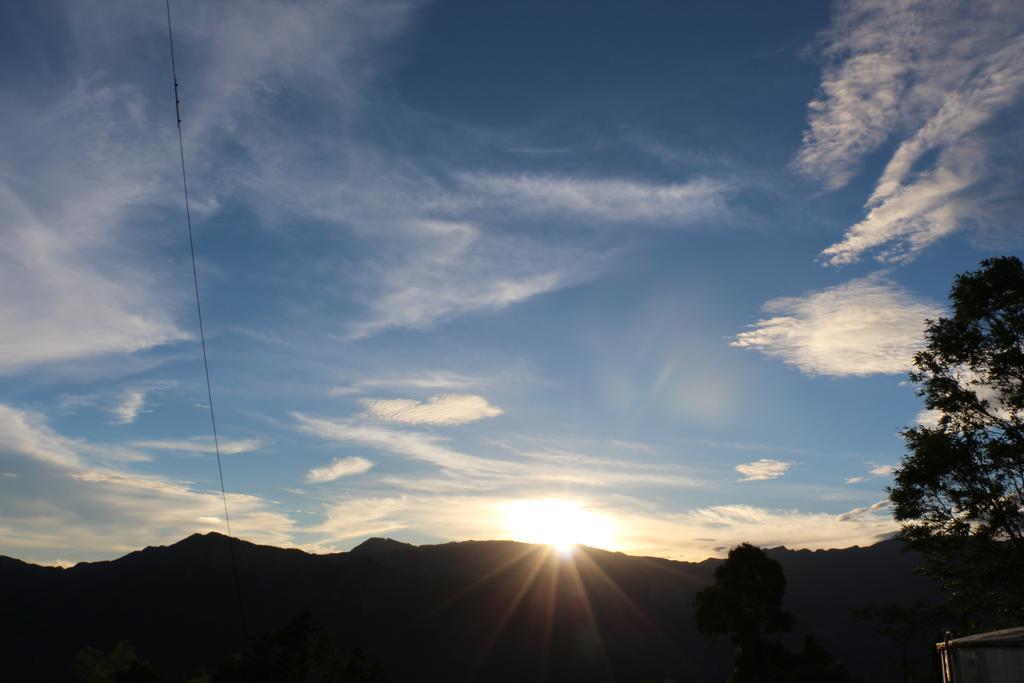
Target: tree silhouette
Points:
(120, 665)
(303, 651)
(744, 603)
(959, 491)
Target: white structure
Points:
(993, 657)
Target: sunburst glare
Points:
(561, 524)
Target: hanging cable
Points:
(202, 333)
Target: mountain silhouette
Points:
(474, 610)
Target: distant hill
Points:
(476, 610)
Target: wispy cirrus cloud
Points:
(125, 405)
(430, 380)
(435, 243)
(763, 469)
(76, 298)
(935, 75)
(70, 497)
(531, 468)
(464, 264)
(203, 444)
(338, 468)
(92, 512)
(458, 268)
(612, 200)
(422, 446)
(717, 529)
(447, 409)
(26, 434)
(864, 512)
(131, 404)
(934, 205)
(864, 327)
(874, 470)
(586, 469)
(87, 182)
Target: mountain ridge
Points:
(377, 544)
(469, 610)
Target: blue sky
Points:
(656, 268)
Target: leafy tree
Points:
(745, 600)
(301, 651)
(744, 603)
(120, 665)
(959, 491)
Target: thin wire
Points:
(195, 274)
(199, 314)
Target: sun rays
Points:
(535, 587)
(561, 524)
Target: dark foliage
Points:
(959, 491)
(914, 629)
(120, 665)
(745, 603)
(484, 611)
(745, 600)
(301, 652)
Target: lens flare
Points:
(562, 524)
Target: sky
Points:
(647, 275)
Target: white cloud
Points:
(339, 467)
(200, 445)
(448, 409)
(26, 434)
(981, 386)
(82, 166)
(72, 402)
(690, 535)
(860, 513)
(866, 326)
(61, 505)
(429, 448)
(434, 243)
(428, 253)
(67, 501)
(364, 517)
(882, 470)
(436, 380)
(89, 195)
(917, 215)
(131, 404)
(453, 268)
(855, 480)
(725, 526)
(457, 262)
(763, 469)
(934, 75)
(73, 301)
(535, 469)
(125, 405)
(611, 200)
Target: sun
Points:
(561, 524)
